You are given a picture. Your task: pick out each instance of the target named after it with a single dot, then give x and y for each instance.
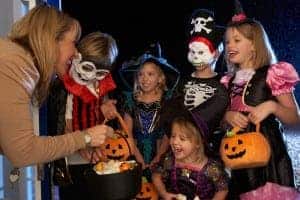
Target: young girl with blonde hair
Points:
(187, 172)
(154, 77)
(261, 92)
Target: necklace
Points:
(147, 115)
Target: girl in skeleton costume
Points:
(201, 92)
(187, 171)
(154, 78)
(261, 91)
(80, 102)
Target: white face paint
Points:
(199, 54)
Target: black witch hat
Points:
(152, 54)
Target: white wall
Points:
(6, 16)
(12, 10)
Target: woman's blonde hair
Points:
(254, 31)
(38, 32)
(162, 85)
(99, 48)
(192, 132)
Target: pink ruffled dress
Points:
(281, 78)
(277, 79)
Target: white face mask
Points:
(199, 54)
(86, 73)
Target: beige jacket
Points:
(18, 78)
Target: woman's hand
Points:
(88, 153)
(98, 134)
(261, 112)
(235, 118)
(109, 109)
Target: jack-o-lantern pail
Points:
(116, 186)
(117, 147)
(245, 150)
(148, 191)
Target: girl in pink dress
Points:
(261, 91)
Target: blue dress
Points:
(146, 126)
(146, 130)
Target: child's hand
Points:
(155, 160)
(144, 165)
(109, 109)
(169, 196)
(235, 118)
(260, 112)
(140, 160)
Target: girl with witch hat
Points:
(261, 92)
(152, 79)
(187, 172)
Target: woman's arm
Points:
(17, 138)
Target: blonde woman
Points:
(40, 44)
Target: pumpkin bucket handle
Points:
(124, 127)
(124, 138)
(257, 127)
(122, 123)
(237, 129)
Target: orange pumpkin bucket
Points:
(148, 191)
(245, 150)
(117, 147)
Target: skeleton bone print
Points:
(197, 93)
(200, 24)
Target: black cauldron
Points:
(117, 186)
